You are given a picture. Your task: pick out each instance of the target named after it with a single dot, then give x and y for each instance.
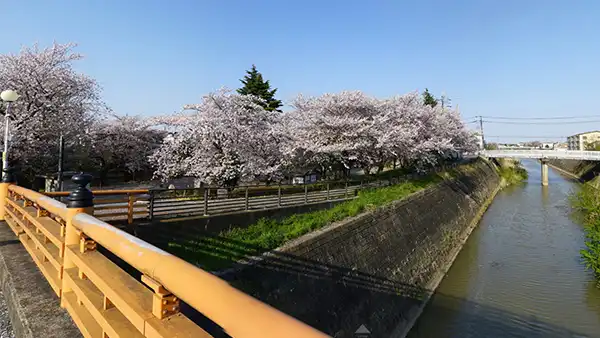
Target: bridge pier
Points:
(544, 172)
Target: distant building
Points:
(579, 141)
(479, 140)
(562, 145)
(547, 146)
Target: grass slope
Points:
(217, 252)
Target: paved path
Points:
(5, 326)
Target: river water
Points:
(520, 273)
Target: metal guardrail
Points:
(204, 201)
(104, 300)
(129, 205)
(544, 154)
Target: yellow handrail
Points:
(99, 192)
(53, 206)
(239, 314)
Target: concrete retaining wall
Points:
(377, 269)
(583, 170)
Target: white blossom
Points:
(55, 99)
(227, 138)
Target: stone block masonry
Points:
(377, 269)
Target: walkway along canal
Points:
(520, 273)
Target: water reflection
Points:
(519, 274)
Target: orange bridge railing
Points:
(104, 300)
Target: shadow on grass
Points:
(337, 300)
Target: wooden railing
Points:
(111, 205)
(106, 301)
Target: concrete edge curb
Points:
(17, 320)
(33, 307)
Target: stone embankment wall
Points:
(583, 170)
(377, 269)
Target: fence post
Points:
(246, 199)
(151, 205)
(130, 203)
(206, 191)
(7, 180)
(328, 191)
(305, 193)
(279, 196)
(346, 190)
(80, 200)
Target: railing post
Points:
(130, 204)
(151, 205)
(279, 196)
(305, 193)
(346, 190)
(246, 199)
(206, 190)
(81, 200)
(7, 180)
(328, 191)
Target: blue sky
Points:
(497, 58)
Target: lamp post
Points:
(7, 96)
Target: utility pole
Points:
(61, 152)
(481, 129)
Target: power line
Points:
(542, 118)
(539, 123)
(526, 136)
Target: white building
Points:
(479, 140)
(579, 141)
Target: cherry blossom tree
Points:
(350, 129)
(54, 99)
(333, 130)
(225, 139)
(122, 144)
(228, 137)
(397, 129)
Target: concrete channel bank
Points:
(582, 170)
(377, 269)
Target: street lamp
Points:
(7, 96)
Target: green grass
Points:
(513, 175)
(587, 200)
(213, 253)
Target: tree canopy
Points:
(228, 138)
(429, 99)
(255, 85)
(55, 99)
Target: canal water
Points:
(520, 273)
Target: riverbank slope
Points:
(584, 171)
(377, 269)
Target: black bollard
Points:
(81, 197)
(8, 176)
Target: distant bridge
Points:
(543, 156)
